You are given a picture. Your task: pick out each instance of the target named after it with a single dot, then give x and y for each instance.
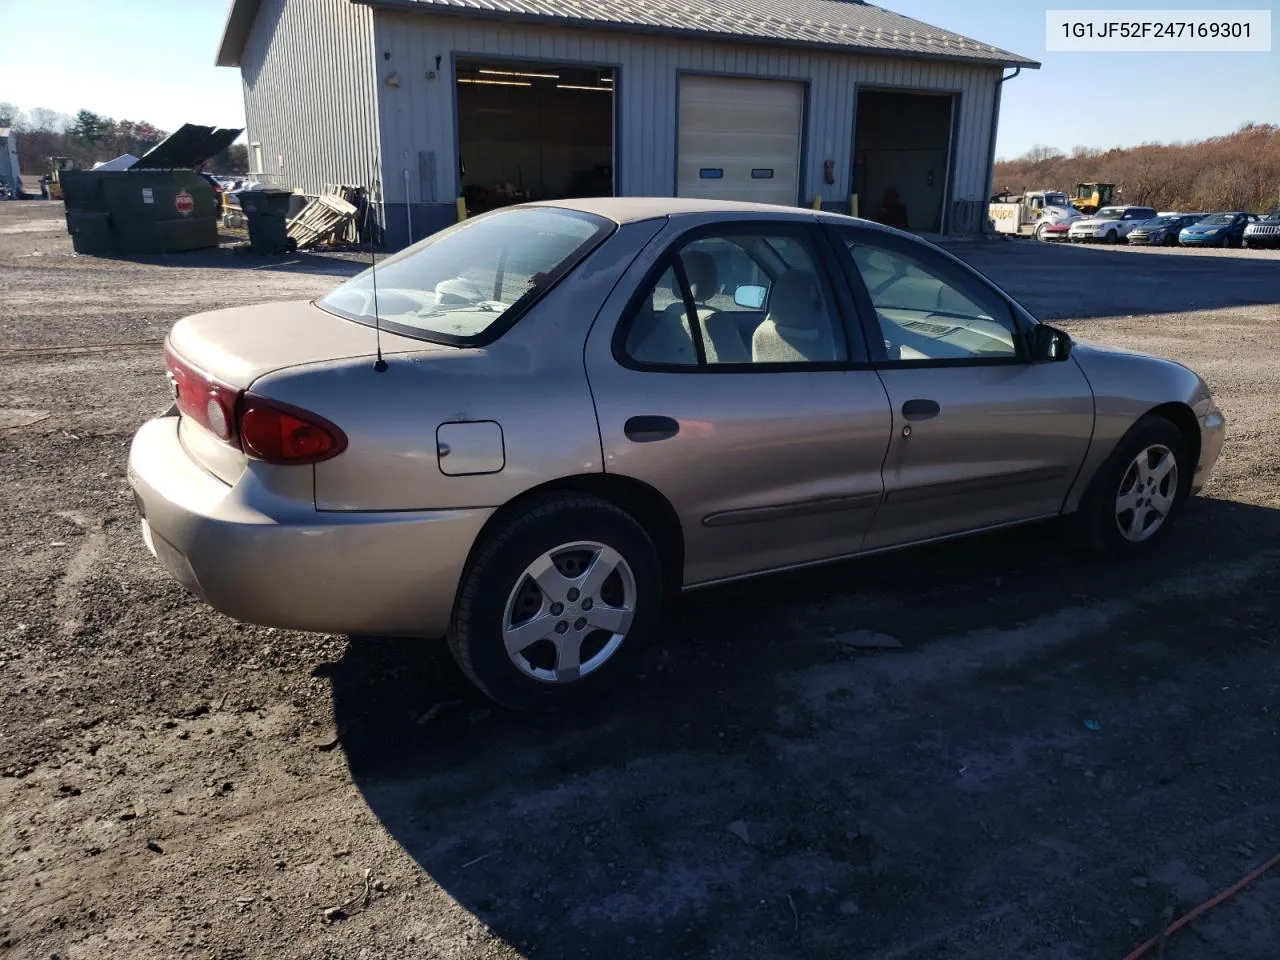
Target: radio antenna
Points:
(379, 365)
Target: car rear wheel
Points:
(557, 603)
(1135, 495)
(1113, 236)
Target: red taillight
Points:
(202, 397)
(278, 433)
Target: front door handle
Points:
(917, 410)
(650, 429)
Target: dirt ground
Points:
(1062, 755)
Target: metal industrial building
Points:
(497, 101)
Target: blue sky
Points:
(153, 60)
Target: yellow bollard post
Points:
(462, 209)
(853, 204)
(817, 201)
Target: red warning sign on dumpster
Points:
(184, 203)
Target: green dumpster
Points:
(160, 204)
(130, 212)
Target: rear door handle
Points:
(916, 410)
(650, 429)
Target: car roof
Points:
(635, 209)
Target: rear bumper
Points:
(263, 558)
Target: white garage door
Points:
(740, 139)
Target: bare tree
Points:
(1040, 154)
(44, 120)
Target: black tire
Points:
(1113, 237)
(1040, 233)
(499, 561)
(1093, 527)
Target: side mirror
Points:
(750, 296)
(1049, 345)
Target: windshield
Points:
(1273, 216)
(456, 285)
(1161, 222)
(1109, 213)
(1220, 219)
(1055, 200)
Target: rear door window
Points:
(748, 298)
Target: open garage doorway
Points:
(902, 153)
(533, 131)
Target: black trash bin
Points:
(266, 212)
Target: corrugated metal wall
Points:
(416, 118)
(309, 95)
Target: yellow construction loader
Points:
(1090, 197)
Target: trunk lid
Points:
(240, 344)
(212, 358)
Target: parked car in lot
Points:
(1163, 230)
(1263, 232)
(578, 408)
(1217, 230)
(1109, 225)
(1057, 231)
(1054, 228)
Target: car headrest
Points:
(795, 301)
(704, 275)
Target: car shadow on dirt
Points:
(769, 788)
(1060, 281)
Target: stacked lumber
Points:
(331, 218)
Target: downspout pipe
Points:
(991, 148)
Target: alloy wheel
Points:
(569, 612)
(1147, 493)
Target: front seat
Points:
(723, 341)
(797, 328)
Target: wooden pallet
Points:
(330, 218)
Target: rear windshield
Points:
(467, 283)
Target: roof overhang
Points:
(242, 13)
(615, 26)
(235, 34)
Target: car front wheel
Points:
(1136, 493)
(557, 603)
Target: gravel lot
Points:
(1062, 756)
